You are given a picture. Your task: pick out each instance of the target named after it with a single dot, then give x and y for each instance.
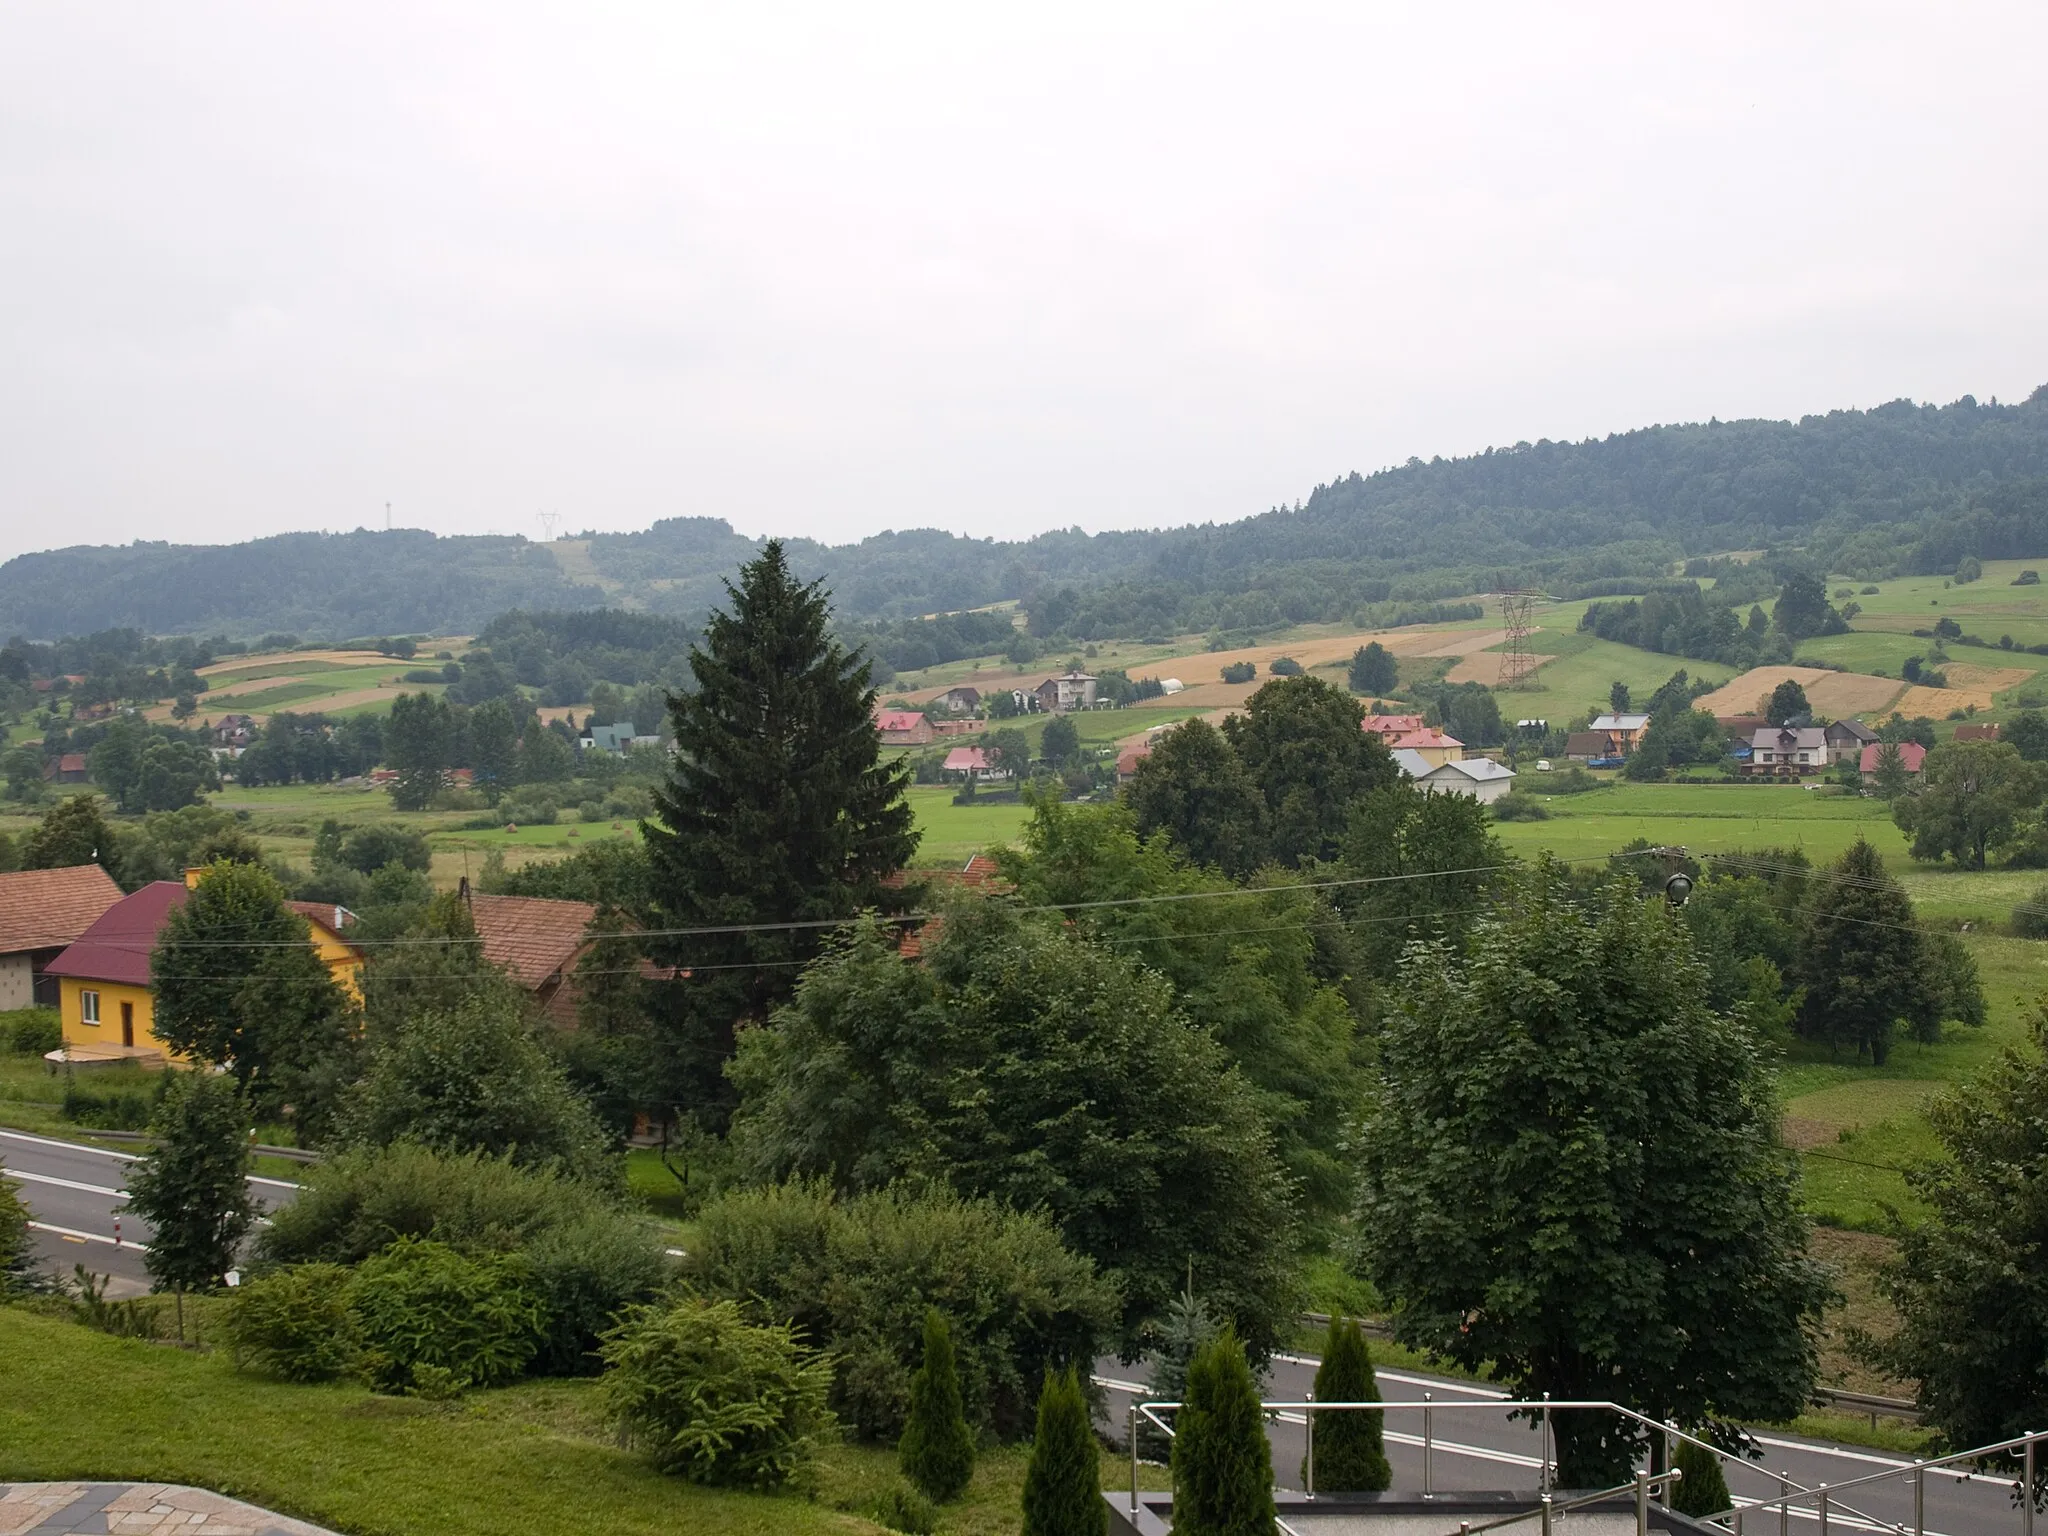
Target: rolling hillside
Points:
(1900, 488)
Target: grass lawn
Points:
(953, 834)
(1707, 818)
(533, 1457)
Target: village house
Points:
(539, 942)
(1785, 751)
(1586, 746)
(1391, 726)
(1070, 690)
(970, 725)
(616, 737)
(1132, 754)
(971, 763)
(231, 733)
(1433, 746)
(1986, 732)
(66, 768)
(105, 999)
(42, 912)
(904, 728)
(1846, 740)
(1477, 778)
(961, 700)
(1912, 757)
(1623, 732)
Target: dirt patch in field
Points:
(1485, 667)
(1837, 694)
(1855, 1258)
(1460, 645)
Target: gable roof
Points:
(1593, 743)
(1629, 722)
(1790, 738)
(1857, 730)
(966, 760)
(1480, 770)
(1911, 754)
(533, 937)
(48, 908)
(1974, 732)
(116, 947)
(1411, 762)
(1426, 739)
(1391, 725)
(898, 719)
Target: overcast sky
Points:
(828, 270)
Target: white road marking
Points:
(67, 1146)
(45, 1178)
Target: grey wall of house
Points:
(17, 982)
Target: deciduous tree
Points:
(416, 744)
(1301, 741)
(192, 1185)
(1374, 669)
(1192, 787)
(1573, 1172)
(1971, 798)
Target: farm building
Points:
(1912, 757)
(1846, 740)
(41, 912)
(904, 728)
(962, 700)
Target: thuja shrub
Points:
(937, 1448)
(1351, 1448)
(1222, 1466)
(1701, 1490)
(1063, 1483)
(714, 1398)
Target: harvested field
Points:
(1968, 684)
(1838, 694)
(1202, 671)
(339, 658)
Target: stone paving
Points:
(160, 1509)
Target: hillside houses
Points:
(42, 912)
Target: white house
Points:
(1481, 778)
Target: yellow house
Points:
(105, 1001)
(1433, 746)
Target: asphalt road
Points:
(1478, 1446)
(75, 1196)
(78, 1205)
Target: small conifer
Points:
(1188, 1328)
(1063, 1484)
(1701, 1490)
(1351, 1448)
(1222, 1467)
(937, 1448)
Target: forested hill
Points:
(1864, 492)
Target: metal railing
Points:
(1827, 1498)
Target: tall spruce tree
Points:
(1863, 962)
(1351, 1447)
(1222, 1466)
(937, 1448)
(1063, 1483)
(779, 808)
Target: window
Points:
(89, 1007)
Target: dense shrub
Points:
(31, 1031)
(1222, 1465)
(1284, 666)
(1517, 805)
(2030, 917)
(715, 1398)
(433, 1319)
(295, 1322)
(937, 1448)
(856, 1277)
(588, 1259)
(17, 1253)
(1239, 672)
(106, 1106)
(903, 1508)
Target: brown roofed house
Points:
(539, 940)
(41, 912)
(1988, 732)
(67, 768)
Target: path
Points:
(58, 1509)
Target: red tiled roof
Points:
(898, 720)
(46, 908)
(533, 937)
(332, 916)
(1425, 740)
(1911, 753)
(966, 760)
(116, 947)
(1391, 725)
